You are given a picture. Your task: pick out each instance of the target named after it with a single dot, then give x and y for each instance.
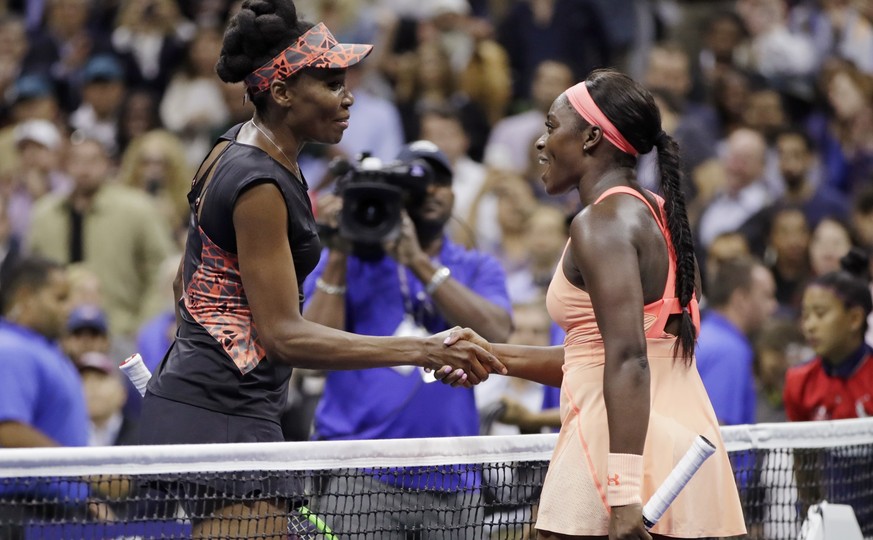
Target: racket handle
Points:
(137, 372)
(700, 450)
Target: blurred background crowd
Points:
(108, 106)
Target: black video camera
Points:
(374, 196)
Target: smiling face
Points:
(560, 149)
(322, 105)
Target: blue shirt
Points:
(40, 387)
(724, 360)
(385, 403)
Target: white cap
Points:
(442, 7)
(39, 131)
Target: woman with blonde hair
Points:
(155, 163)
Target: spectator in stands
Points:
(13, 48)
(40, 149)
(33, 97)
(787, 257)
(193, 105)
(721, 34)
(41, 399)
(87, 330)
(570, 31)
(10, 247)
(771, 49)
(844, 132)
(151, 36)
(105, 395)
(830, 241)
(103, 89)
(800, 189)
(744, 192)
(64, 43)
(519, 402)
(726, 246)
(836, 27)
(138, 116)
(778, 346)
(510, 140)
(426, 81)
(155, 164)
(423, 283)
(741, 297)
(113, 229)
(862, 217)
(442, 125)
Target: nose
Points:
(348, 99)
(541, 142)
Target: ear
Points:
(282, 93)
(856, 318)
(591, 137)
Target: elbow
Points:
(278, 341)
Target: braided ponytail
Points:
(680, 233)
(632, 109)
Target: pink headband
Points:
(581, 100)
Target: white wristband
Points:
(327, 288)
(439, 277)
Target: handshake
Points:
(464, 358)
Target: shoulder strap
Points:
(631, 191)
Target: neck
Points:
(797, 192)
(852, 349)
(279, 138)
(431, 241)
(607, 176)
(82, 200)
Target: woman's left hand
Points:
(626, 523)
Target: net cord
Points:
(319, 455)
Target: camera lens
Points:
(369, 213)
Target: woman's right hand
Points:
(459, 356)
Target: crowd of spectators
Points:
(108, 106)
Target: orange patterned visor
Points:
(316, 48)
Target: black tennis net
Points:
(450, 488)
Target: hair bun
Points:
(856, 262)
(258, 32)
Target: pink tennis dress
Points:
(573, 500)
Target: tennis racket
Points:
(302, 523)
(700, 450)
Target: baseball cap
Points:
(87, 316)
(429, 152)
(39, 131)
(103, 67)
(32, 86)
(98, 361)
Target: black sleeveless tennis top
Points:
(217, 361)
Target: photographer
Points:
(422, 283)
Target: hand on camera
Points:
(405, 249)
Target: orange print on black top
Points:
(216, 299)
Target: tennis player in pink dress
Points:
(625, 293)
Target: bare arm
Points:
(18, 435)
(604, 252)
(330, 309)
(462, 307)
(270, 282)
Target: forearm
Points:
(626, 395)
(18, 435)
(538, 364)
(309, 345)
(460, 306)
(327, 308)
